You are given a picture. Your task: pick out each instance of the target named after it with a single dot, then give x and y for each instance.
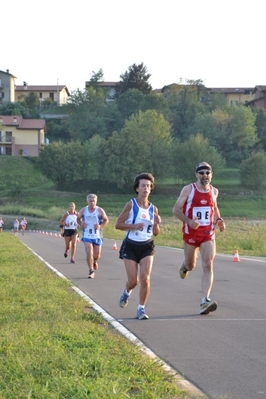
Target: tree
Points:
(95, 80)
(130, 102)
(11, 108)
(57, 130)
(64, 164)
(232, 131)
(136, 77)
(188, 154)
(260, 123)
(213, 126)
(86, 114)
(185, 105)
(96, 77)
(143, 144)
(242, 128)
(253, 171)
(156, 102)
(94, 157)
(32, 103)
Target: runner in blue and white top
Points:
(92, 219)
(140, 215)
(15, 226)
(140, 220)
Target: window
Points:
(8, 137)
(40, 95)
(52, 96)
(5, 151)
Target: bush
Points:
(252, 171)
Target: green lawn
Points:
(54, 346)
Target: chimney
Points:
(7, 71)
(25, 85)
(15, 119)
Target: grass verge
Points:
(54, 346)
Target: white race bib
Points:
(203, 214)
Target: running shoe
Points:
(72, 260)
(183, 272)
(65, 254)
(208, 306)
(141, 315)
(123, 300)
(91, 274)
(95, 265)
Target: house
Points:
(259, 100)
(20, 136)
(233, 95)
(108, 87)
(58, 94)
(7, 87)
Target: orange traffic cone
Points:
(114, 246)
(236, 256)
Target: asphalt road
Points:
(223, 354)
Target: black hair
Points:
(145, 176)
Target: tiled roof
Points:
(261, 88)
(9, 120)
(32, 124)
(22, 123)
(230, 89)
(41, 88)
(103, 84)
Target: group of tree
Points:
(137, 129)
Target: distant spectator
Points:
(1, 224)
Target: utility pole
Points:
(57, 93)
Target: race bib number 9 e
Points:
(203, 214)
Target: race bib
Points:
(203, 214)
(90, 231)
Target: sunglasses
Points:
(204, 173)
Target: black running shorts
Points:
(70, 232)
(136, 250)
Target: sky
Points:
(63, 42)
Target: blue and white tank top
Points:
(90, 219)
(140, 215)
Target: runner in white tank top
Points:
(92, 219)
(70, 234)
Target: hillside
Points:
(19, 173)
